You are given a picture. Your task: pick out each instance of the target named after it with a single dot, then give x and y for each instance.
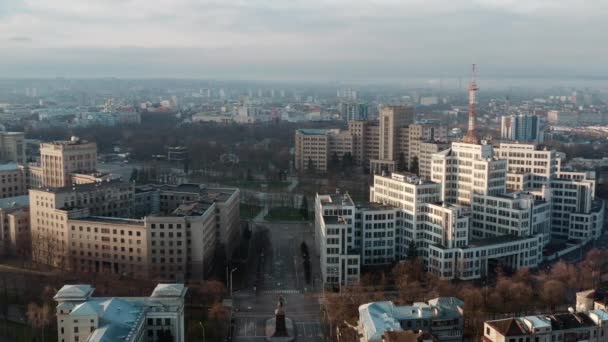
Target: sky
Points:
(303, 39)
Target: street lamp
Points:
(234, 269)
(203, 327)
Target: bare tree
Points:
(40, 316)
(553, 293)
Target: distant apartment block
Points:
(521, 128)
(379, 145)
(15, 226)
(13, 181)
(12, 147)
(562, 118)
(82, 317)
(354, 111)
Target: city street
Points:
(275, 269)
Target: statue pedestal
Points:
(270, 327)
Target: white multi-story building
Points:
(576, 213)
(335, 236)
(82, 317)
(407, 212)
(517, 214)
(464, 222)
(529, 166)
(467, 169)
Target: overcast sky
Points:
(294, 39)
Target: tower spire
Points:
(471, 136)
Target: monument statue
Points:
(280, 329)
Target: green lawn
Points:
(284, 214)
(249, 211)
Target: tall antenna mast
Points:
(471, 136)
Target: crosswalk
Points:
(281, 291)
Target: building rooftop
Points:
(566, 321)
(509, 327)
(15, 202)
(209, 194)
(371, 206)
(74, 292)
(192, 209)
(333, 219)
(379, 317)
(312, 131)
(118, 318)
(169, 290)
(9, 167)
(73, 141)
(517, 326)
(337, 199)
(115, 220)
(494, 240)
(86, 187)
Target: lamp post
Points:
(203, 327)
(234, 269)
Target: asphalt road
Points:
(275, 269)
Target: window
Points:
(75, 329)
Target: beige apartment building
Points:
(51, 208)
(226, 209)
(89, 228)
(15, 226)
(312, 149)
(13, 181)
(59, 159)
(378, 144)
(107, 245)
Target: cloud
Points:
(296, 34)
(20, 39)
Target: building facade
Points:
(13, 180)
(60, 159)
(15, 232)
(165, 233)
